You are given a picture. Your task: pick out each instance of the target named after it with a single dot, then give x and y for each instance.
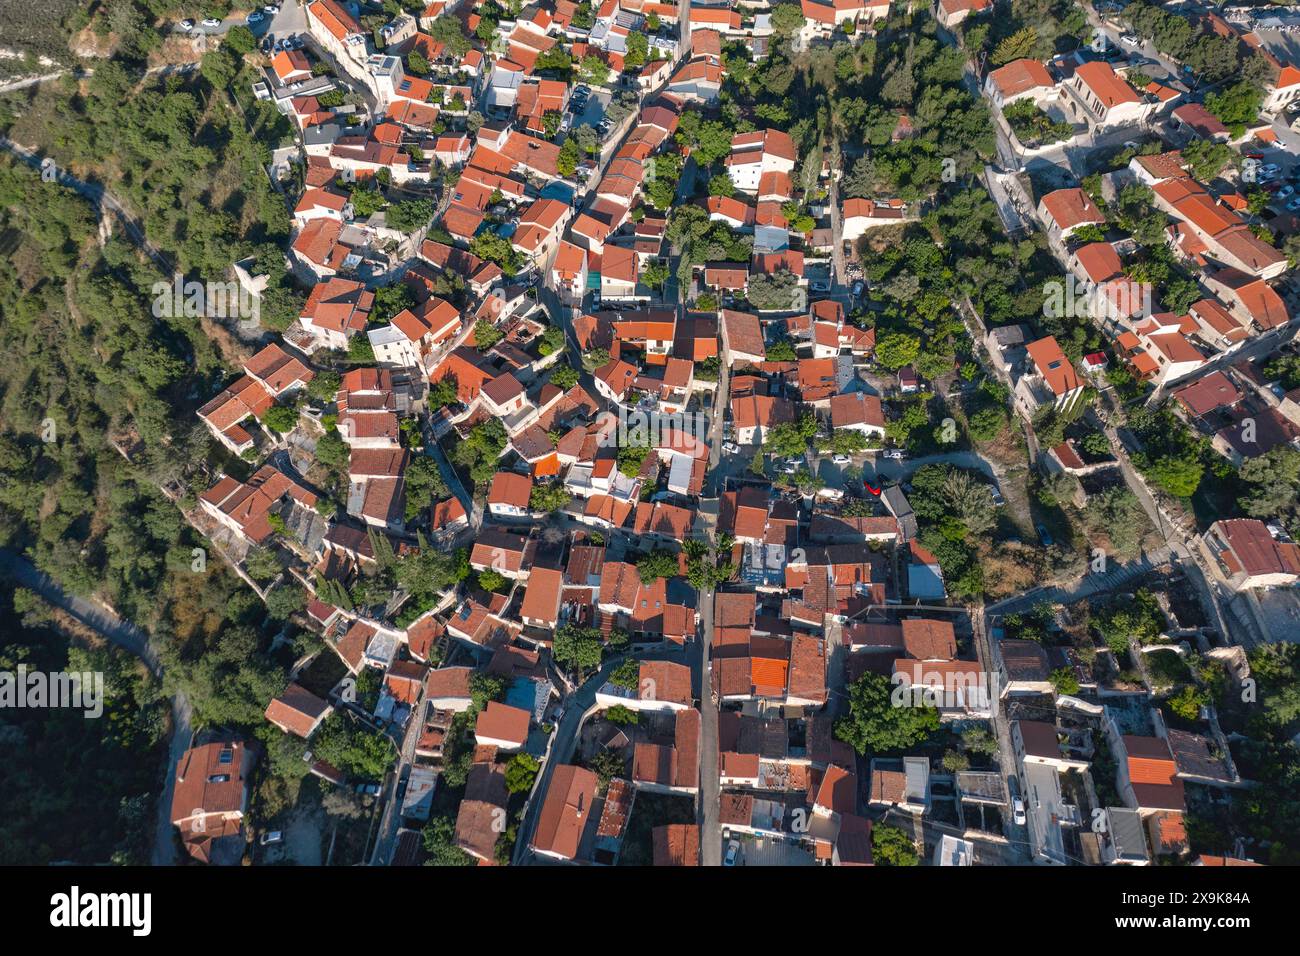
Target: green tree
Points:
(659, 563)
(280, 418)
(787, 19)
(567, 163)
(579, 647)
(548, 498)
(521, 771)
(897, 349)
(875, 725)
(440, 831)
(891, 846)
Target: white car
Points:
(271, 9)
(1018, 811)
(187, 24)
(211, 22)
(272, 836)
(841, 459)
(896, 453)
(733, 851)
(731, 448)
(1130, 41)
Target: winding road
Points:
(105, 622)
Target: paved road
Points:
(127, 636)
(102, 199)
(576, 705)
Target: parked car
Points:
(1018, 811)
(1043, 535)
(730, 447)
(1270, 170)
(858, 287)
(271, 836)
(368, 789)
(1130, 41)
(1294, 204)
(841, 459)
(998, 500)
(187, 24)
(271, 8)
(895, 453)
(257, 16)
(733, 851)
(211, 22)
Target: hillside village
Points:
(676, 473)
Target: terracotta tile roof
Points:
(927, 639)
(565, 811)
(677, 844)
(297, 710)
(1072, 207)
(1053, 365)
(500, 721)
(1020, 76)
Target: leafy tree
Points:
(521, 771)
(579, 647)
(787, 19)
(240, 40)
(447, 29)
(416, 63)
(280, 418)
(548, 498)
(486, 334)
(440, 831)
(606, 765)
(1235, 106)
(897, 349)
(891, 846)
(627, 674)
(875, 725)
(564, 377)
(618, 714)
(655, 273)
(1064, 681)
(352, 748)
(638, 45)
(284, 601)
(567, 162)
(410, 215)
(1018, 46)
(424, 485)
(659, 563)
(594, 70)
